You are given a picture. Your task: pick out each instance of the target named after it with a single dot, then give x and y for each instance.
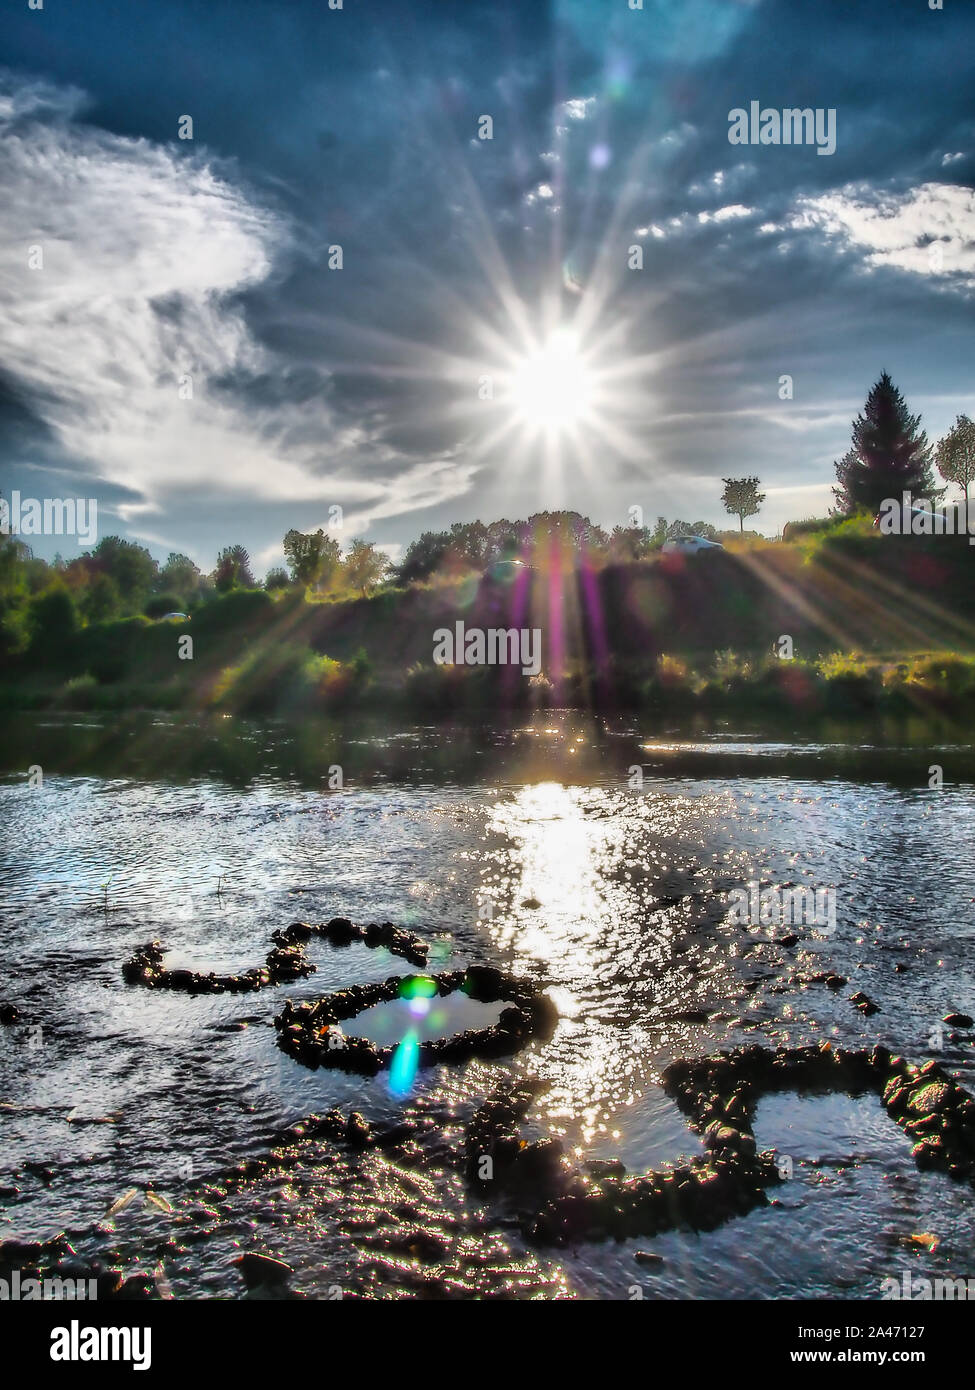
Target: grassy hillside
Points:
(708, 628)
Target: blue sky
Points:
(362, 387)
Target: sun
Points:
(551, 387)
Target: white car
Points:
(690, 545)
(504, 571)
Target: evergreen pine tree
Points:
(890, 454)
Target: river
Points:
(596, 859)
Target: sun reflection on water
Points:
(589, 893)
(557, 855)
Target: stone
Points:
(257, 1270)
(357, 1131)
(340, 931)
(600, 1168)
(484, 982)
(930, 1099)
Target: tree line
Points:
(120, 579)
(544, 539)
(889, 454)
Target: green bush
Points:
(850, 536)
(80, 692)
(945, 674)
(434, 688)
(808, 526)
(112, 650)
(284, 678)
(161, 604)
(360, 665)
(51, 619)
(14, 625)
(851, 682)
(239, 608)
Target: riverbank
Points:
(297, 682)
(854, 625)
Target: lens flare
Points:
(404, 1066)
(418, 987)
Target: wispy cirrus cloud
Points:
(118, 263)
(124, 335)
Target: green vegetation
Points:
(835, 615)
(955, 454)
(889, 454)
(285, 679)
(742, 498)
(872, 622)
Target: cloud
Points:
(146, 252)
(578, 108)
(726, 214)
(677, 138)
(723, 181)
(929, 230)
(31, 97)
(138, 252)
(690, 221)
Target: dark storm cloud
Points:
(23, 429)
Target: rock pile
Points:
(719, 1093)
(493, 1134)
(286, 962)
(700, 1195)
(308, 1031)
